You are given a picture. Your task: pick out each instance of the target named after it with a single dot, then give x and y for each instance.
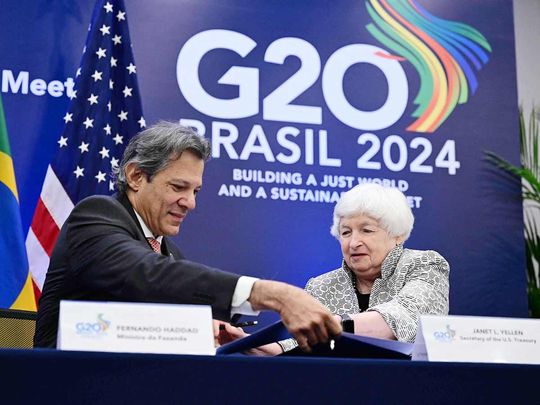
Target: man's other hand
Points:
(225, 333)
(308, 321)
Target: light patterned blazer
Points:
(412, 283)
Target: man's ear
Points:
(134, 176)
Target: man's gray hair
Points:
(387, 205)
(155, 147)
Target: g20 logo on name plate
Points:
(445, 336)
(97, 328)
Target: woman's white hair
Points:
(387, 205)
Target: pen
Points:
(244, 324)
(240, 324)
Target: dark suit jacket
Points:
(102, 255)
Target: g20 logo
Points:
(445, 336)
(278, 105)
(92, 328)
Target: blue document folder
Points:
(272, 333)
(345, 345)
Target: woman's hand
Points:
(271, 349)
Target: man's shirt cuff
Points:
(240, 303)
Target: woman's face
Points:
(364, 245)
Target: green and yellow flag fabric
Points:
(16, 288)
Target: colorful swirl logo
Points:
(103, 322)
(445, 54)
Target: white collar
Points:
(147, 232)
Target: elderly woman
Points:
(381, 288)
(381, 285)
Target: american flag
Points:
(104, 113)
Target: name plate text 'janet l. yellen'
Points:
(478, 339)
(135, 327)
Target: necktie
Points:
(156, 246)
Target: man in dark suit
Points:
(116, 248)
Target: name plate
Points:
(135, 328)
(478, 339)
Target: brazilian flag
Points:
(16, 289)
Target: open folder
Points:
(269, 334)
(345, 345)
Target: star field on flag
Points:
(94, 134)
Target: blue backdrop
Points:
(300, 93)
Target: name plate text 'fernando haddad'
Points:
(135, 327)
